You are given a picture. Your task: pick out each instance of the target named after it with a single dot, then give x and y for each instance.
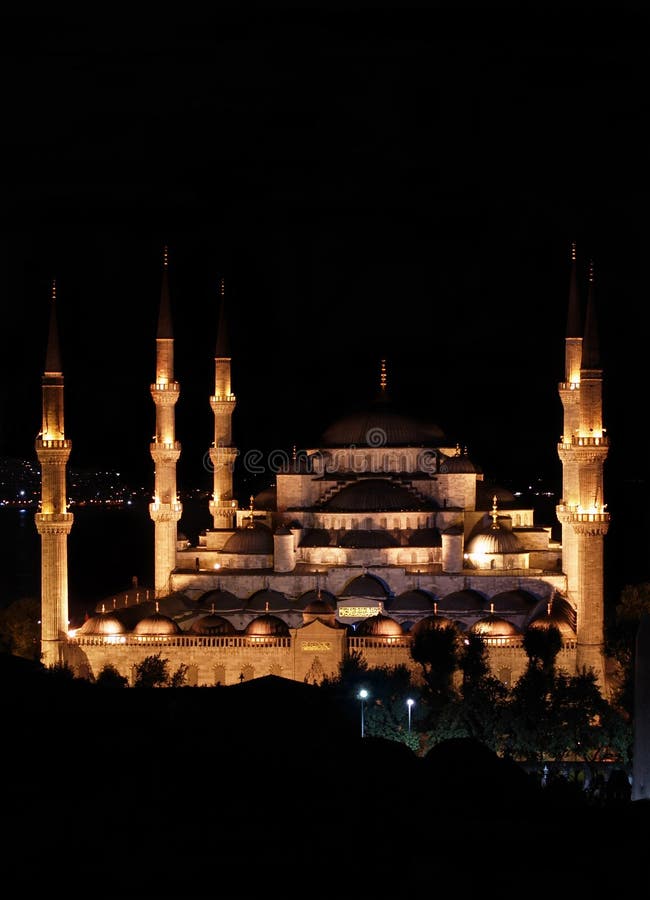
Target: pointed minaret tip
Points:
(165, 331)
(53, 353)
(223, 339)
(590, 343)
(383, 377)
(574, 317)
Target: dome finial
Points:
(590, 273)
(383, 377)
(157, 607)
(494, 512)
(222, 287)
(252, 502)
(103, 608)
(54, 289)
(212, 609)
(165, 257)
(573, 251)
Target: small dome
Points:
(267, 600)
(379, 626)
(102, 624)
(416, 600)
(254, 539)
(560, 613)
(156, 624)
(516, 601)
(366, 586)
(220, 601)
(493, 626)
(465, 601)
(367, 539)
(320, 606)
(295, 525)
(458, 465)
(433, 622)
(494, 540)
(425, 537)
(374, 495)
(311, 596)
(267, 626)
(283, 530)
(213, 624)
(316, 537)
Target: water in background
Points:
(107, 548)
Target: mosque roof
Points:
(362, 539)
(381, 425)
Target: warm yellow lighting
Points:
(162, 381)
(72, 632)
(217, 565)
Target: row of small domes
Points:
(267, 625)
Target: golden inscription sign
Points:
(357, 612)
(317, 645)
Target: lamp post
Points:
(409, 704)
(363, 693)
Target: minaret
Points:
(53, 521)
(581, 511)
(222, 453)
(165, 449)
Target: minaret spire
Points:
(582, 511)
(53, 521)
(165, 510)
(223, 453)
(590, 343)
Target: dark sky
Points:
(369, 183)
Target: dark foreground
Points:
(266, 788)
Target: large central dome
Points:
(381, 426)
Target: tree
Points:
(542, 646)
(109, 677)
(435, 648)
(634, 602)
(152, 672)
(20, 629)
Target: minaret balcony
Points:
(569, 386)
(577, 441)
(223, 398)
(51, 444)
(165, 387)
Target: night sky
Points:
(370, 184)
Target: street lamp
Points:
(409, 704)
(363, 693)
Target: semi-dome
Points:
(316, 537)
(267, 626)
(463, 601)
(546, 621)
(213, 625)
(425, 537)
(104, 624)
(220, 601)
(379, 626)
(267, 600)
(254, 539)
(374, 495)
(515, 601)
(381, 426)
(156, 625)
(267, 499)
(494, 626)
(416, 600)
(494, 540)
(366, 586)
(367, 539)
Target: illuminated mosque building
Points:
(385, 528)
